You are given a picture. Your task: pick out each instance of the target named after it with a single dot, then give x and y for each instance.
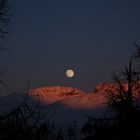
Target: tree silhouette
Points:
(4, 17)
(123, 99)
(4, 25)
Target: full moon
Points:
(70, 73)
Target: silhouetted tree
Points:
(4, 25)
(122, 98)
(72, 132)
(126, 124)
(4, 17)
(22, 122)
(88, 129)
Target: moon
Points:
(69, 73)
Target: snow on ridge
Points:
(51, 94)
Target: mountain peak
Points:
(54, 93)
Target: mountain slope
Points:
(64, 105)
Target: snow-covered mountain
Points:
(68, 96)
(64, 105)
(49, 95)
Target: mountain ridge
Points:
(71, 102)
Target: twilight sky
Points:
(93, 37)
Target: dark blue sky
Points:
(93, 37)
